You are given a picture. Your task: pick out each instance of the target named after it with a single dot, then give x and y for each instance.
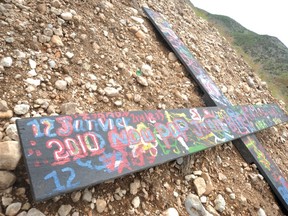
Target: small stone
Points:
(6, 201)
(87, 196)
(7, 114)
(21, 109)
(222, 177)
(64, 210)
(48, 32)
(69, 55)
(137, 19)
(3, 106)
(246, 88)
(200, 186)
(32, 73)
(111, 92)
(44, 38)
(41, 8)
(100, 205)
(146, 70)
(134, 186)
(52, 64)
(242, 199)
(7, 179)
(13, 209)
(9, 40)
(75, 196)
(172, 57)
(261, 212)
(190, 177)
(67, 16)
(228, 190)
(33, 81)
(69, 108)
(32, 63)
(137, 98)
(232, 196)
(203, 199)
(171, 212)
(61, 85)
(220, 203)
(10, 154)
(11, 132)
(136, 202)
(118, 103)
(142, 80)
(34, 212)
(149, 58)
(250, 82)
(212, 210)
(57, 41)
(194, 206)
(140, 35)
(6, 62)
(180, 161)
(197, 172)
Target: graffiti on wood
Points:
(64, 153)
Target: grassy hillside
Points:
(268, 55)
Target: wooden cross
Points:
(67, 153)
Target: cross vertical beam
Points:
(249, 147)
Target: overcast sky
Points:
(262, 17)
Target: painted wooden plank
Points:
(65, 153)
(214, 97)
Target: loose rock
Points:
(61, 85)
(10, 154)
(34, 212)
(220, 203)
(87, 196)
(194, 206)
(11, 132)
(57, 41)
(6, 62)
(111, 92)
(142, 80)
(261, 212)
(75, 196)
(6, 179)
(66, 16)
(64, 210)
(171, 212)
(21, 109)
(3, 106)
(69, 108)
(136, 202)
(134, 186)
(100, 205)
(13, 209)
(200, 186)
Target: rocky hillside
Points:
(61, 57)
(269, 56)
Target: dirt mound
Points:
(106, 56)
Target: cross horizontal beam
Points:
(65, 153)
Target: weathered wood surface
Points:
(65, 153)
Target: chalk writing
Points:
(60, 150)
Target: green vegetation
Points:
(267, 55)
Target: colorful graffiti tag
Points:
(249, 146)
(64, 153)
